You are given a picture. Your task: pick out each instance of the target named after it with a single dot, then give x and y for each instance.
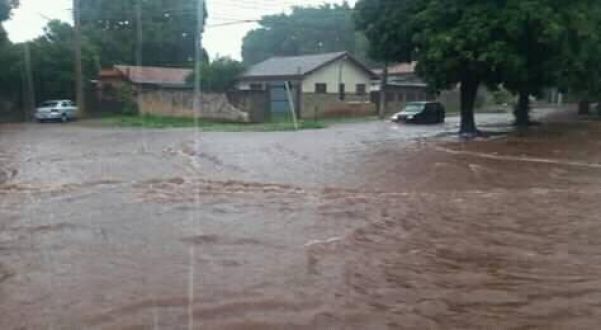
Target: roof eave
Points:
(270, 78)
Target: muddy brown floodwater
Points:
(361, 226)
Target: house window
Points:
(321, 88)
(361, 89)
(341, 91)
(256, 87)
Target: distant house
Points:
(160, 91)
(319, 85)
(403, 86)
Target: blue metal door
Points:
(278, 96)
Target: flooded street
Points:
(359, 226)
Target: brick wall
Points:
(314, 106)
(180, 103)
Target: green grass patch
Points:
(208, 125)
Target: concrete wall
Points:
(398, 96)
(315, 106)
(344, 71)
(180, 103)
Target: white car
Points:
(56, 110)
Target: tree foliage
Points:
(515, 43)
(306, 30)
(52, 61)
(152, 32)
(218, 76)
(533, 31)
(580, 69)
(453, 42)
(5, 8)
(51, 65)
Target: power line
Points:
(232, 23)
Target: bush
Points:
(126, 96)
(219, 75)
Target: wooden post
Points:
(79, 88)
(291, 105)
(29, 95)
(383, 89)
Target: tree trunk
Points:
(584, 107)
(522, 110)
(469, 91)
(382, 106)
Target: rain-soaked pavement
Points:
(360, 226)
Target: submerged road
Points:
(358, 226)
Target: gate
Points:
(278, 99)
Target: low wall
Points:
(180, 103)
(255, 103)
(315, 106)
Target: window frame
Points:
(321, 88)
(361, 89)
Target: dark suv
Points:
(421, 113)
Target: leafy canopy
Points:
(219, 75)
(306, 30)
(168, 30)
(5, 7)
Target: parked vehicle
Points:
(421, 113)
(56, 110)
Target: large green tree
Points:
(453, 42)
(306, 30)
(52, 61)
(153, 32)
(581, 72)
(5, 8)
(533, 30)
(514, 43)
(9, 75)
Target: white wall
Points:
(350, 74)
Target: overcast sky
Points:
(29, 19)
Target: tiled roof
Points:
(155, 75)
(294, 66)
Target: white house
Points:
(319, 85)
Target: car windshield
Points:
(49, 104)
(413, 108)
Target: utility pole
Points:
(198, 54)
(29, 95)
(383, 89)
(198, 57)
(79, 90)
